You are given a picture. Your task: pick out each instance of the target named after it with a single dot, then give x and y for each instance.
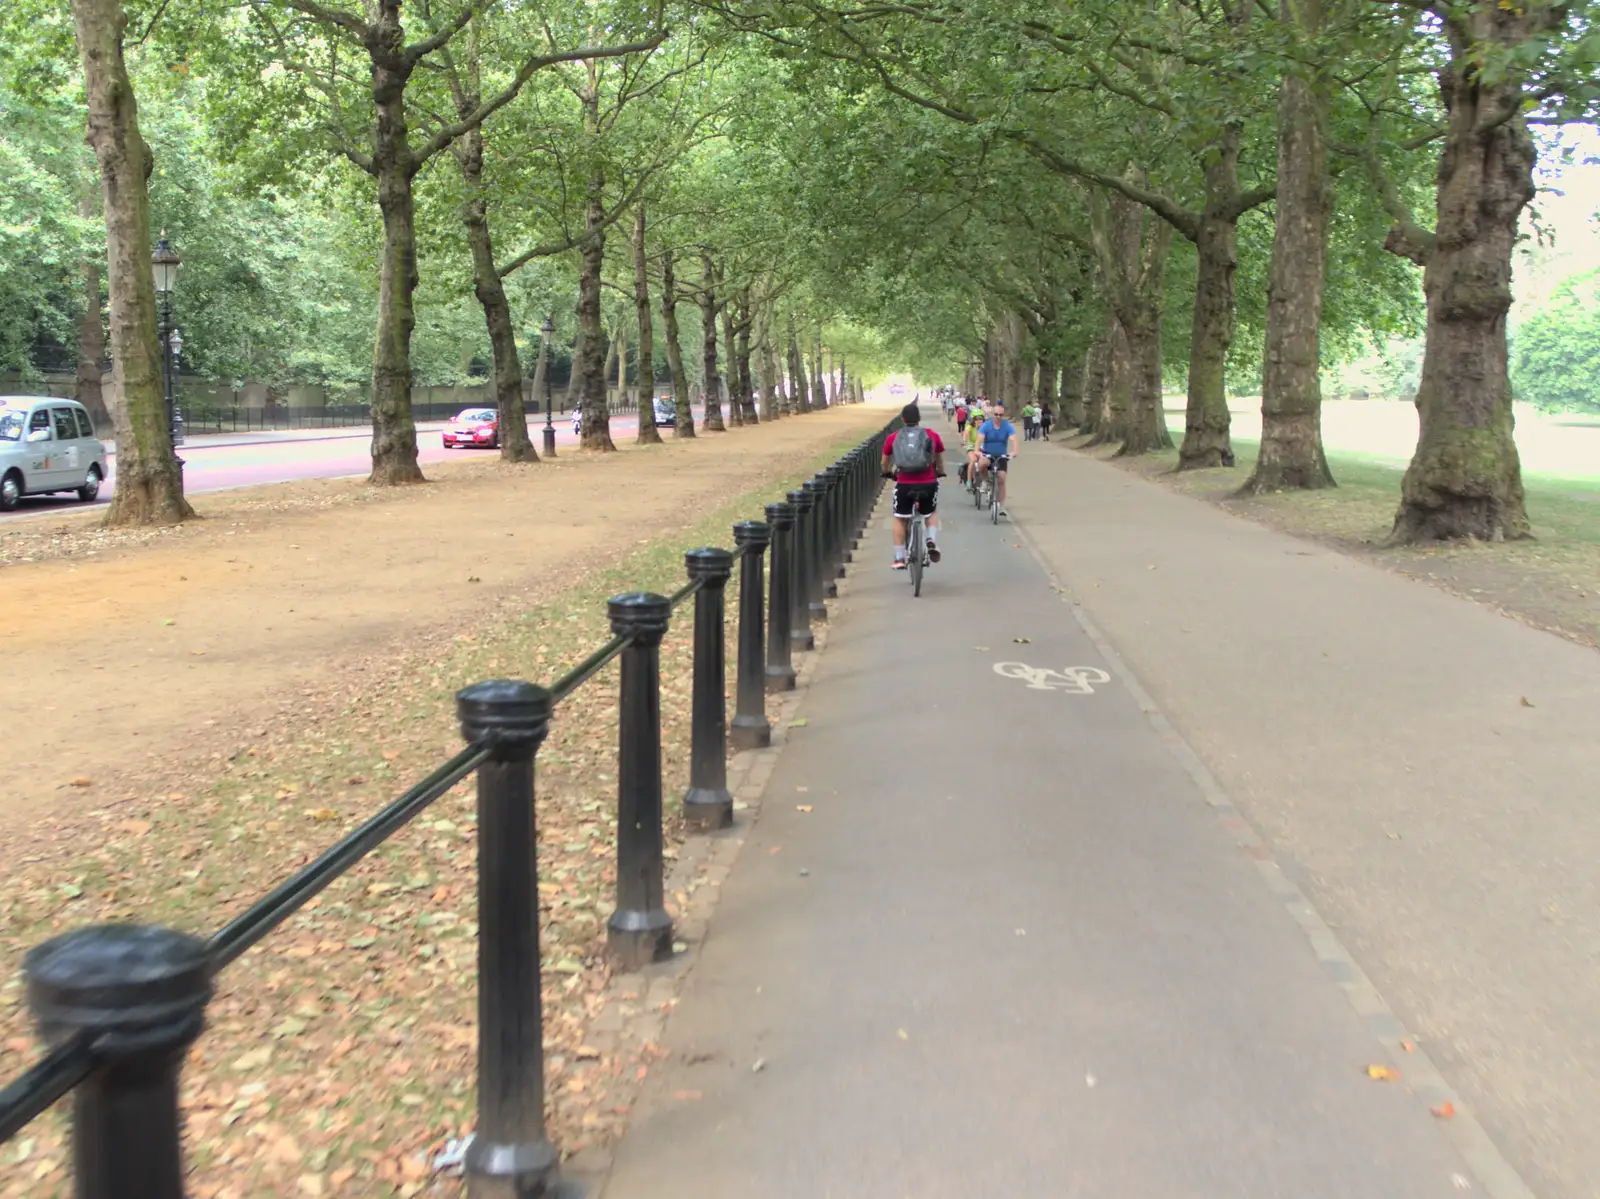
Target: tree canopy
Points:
(1077, 203)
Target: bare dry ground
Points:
(124, 644)
(1552, 581)
(214, 705)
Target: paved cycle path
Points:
(1010, 950)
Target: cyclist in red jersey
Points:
(916, 470)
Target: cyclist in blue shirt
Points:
(997, 445)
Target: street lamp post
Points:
(546, 334)
(164, 263)
(174, 404)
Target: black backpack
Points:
(913, 450)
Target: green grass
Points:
(1561, 509)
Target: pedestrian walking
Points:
(1046, 419)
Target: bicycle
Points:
(917, 557)
(987, 493)
(916, 549)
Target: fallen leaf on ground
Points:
(802, 807)
(686, 1094)
(254, 1059)
(1382, 1073)
(413, 1168)
(1526, 702)
(902, 1034)
(1021, 640)
(1407, 1046)
(775, 849)
(1444, 1111)
(798, 724)
(81, 781)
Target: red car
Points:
(473, 426)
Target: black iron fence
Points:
(225, 418)
(201, 416)
(119, 1005)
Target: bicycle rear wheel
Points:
(914, 562)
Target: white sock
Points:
(899, 553)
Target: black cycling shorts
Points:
(998, 463)
(915, 497)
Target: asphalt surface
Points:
(219, 462)
(1423, 766)
(1010, 950)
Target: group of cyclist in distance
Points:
(914, 458)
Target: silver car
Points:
(47, 445)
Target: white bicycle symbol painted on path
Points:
(1074, 680)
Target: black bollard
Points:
(780, 606)
(826, 574)
(139, 993)
(866, 489)
(847, 507)
(511, 1155)
(817, 581)
(708, 804)
(836, 475)
(751, 729)
(800, 635)
(639, 931)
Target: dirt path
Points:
(125, 648)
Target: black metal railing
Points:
(120, 1004)
(204, 416)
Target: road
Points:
(218, 462)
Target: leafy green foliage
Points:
(1556, 352)
(46, 182)
(891, 176)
